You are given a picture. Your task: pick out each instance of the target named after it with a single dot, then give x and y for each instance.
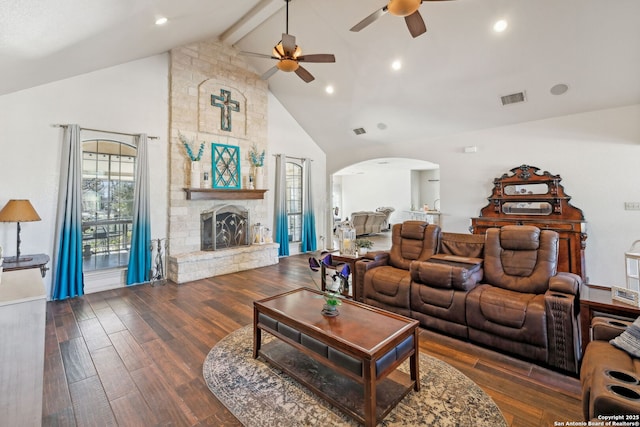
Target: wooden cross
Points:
(226, 105)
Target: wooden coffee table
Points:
(350, 360)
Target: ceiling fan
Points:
(406, 8)
(289, 55)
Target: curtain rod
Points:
(106, 131)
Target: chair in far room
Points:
(386, 210)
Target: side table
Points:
(600, 301)
(28, 261)
(337, 259)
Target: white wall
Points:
(131, 97)
(596, 153)
(287, 137)
(429, 188)
(367, 192)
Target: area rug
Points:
(260, 395)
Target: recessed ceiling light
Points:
(382, 126)
(161, 21)
(329, 89)
(500, 26)
(559, 89)
(396, 65)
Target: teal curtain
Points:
(68, 280)
(308, 217)
(140, 252)
(281, 226)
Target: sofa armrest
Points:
(370, 261)
(566, 283)
(447, 276)
(377, 256)
(607, 328)
(563, 330)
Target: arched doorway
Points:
(406, 185)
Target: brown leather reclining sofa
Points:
(500, 290)
(610, 376)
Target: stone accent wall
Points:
(196, 72)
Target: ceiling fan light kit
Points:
(403, 7)
(288, 54)
(287, 65)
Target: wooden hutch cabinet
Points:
(525, 197)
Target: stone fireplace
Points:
(199, 71)
(224, 227)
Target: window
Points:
(108, 183)
(294, 201)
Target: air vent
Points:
(359, 131)
(514, 98)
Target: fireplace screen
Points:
(224, 227)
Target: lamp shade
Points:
(18, 211)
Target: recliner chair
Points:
(523, 305)
(384, 279)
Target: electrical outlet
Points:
(632, 206)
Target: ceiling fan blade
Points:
(270, 72)
(369, 19)
(304, 74)
(319, 57)
(258, 55)
(288, 44)
(415, 24)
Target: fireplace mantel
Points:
(223, 194)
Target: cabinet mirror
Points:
(514, 190)
(528, 208)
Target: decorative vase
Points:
(330, 310)
(259, 181)
(195, 175)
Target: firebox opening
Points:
(224, 227)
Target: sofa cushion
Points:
(523, 270)
(388, 286)
(466, 245)
(520, 238)
(412, 240)
(505, 307)
(507, 316)
(413, 230)
(629, 340)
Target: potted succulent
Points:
(363, 245)
(332, 298)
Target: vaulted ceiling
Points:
(451, 78)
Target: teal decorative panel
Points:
(226, 166)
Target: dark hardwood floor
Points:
(133, 356)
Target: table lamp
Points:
(18, 211)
